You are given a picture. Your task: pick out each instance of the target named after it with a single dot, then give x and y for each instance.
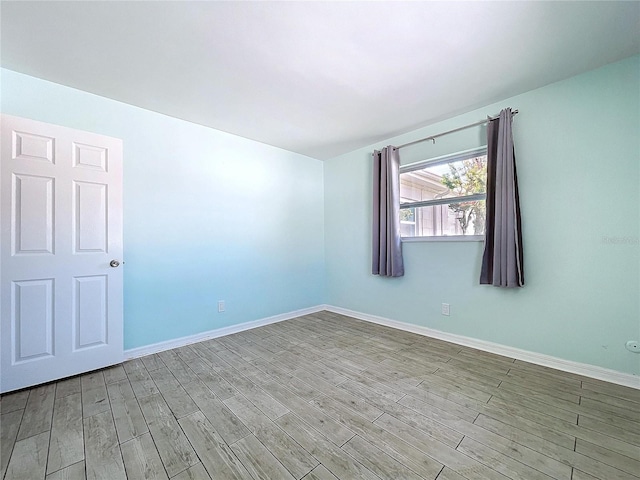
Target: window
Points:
(444, 196)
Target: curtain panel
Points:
(502, 260)
(387, 245)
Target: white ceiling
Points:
(318, 78)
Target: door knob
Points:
(114, 263)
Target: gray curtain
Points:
(502, 261)
(387, 246)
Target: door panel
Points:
(90, 217)
(90, 156)
(32, 222)
(61, 217)
(32, 315)
(90, 311)
(28, 146)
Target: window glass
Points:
(444, 197)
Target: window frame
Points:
(444, 159)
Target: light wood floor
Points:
(322, 397)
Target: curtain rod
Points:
(433, 137)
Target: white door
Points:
(60, 245)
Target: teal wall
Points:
(578, 156)
(212, 216)
(208, 216)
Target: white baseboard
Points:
(584, 369)
(218, 332)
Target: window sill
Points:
(446, 238)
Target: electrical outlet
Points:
(633, 346)
(446, 309)
(220, 306)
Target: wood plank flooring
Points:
(322, 397)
